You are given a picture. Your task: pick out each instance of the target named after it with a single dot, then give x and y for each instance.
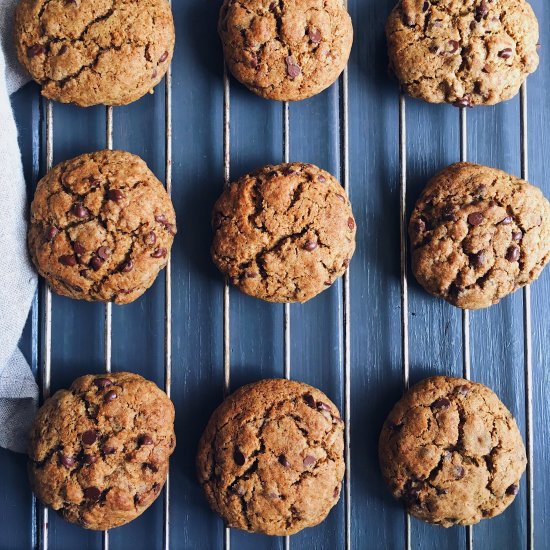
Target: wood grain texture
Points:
(316, 327)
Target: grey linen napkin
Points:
(18, 389)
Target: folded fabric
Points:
(18, 389)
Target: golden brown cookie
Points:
(99, 451)
(283, 233)
(88, 53)
(478, 234)
(465, 52)
(271, 458)
(452, 452)
(288, 50)
(101, 227)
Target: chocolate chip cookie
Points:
(101, 227)
(285, 50)
(467, 52)
(284, 233)
(88, 53)
(478, 234)
(452, 452)
(271, 458)
(99, 451)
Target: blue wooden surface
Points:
(256, 327)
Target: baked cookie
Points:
(88, 53)
(464, 52)
(271, 458)
(101, 227)
(478, 234)
(99, 451)
(452, 452)
(288, 50)
(284, 233)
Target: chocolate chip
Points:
(340, 197)
(314, 35)
(251, 275)
(309, 460)
(253, 61)
(163, 57)
(102, 383)
(89, 437)
(351, 223)
(150, 238)
(506, 221)
(463, 102)
(458, 472)
(88, 459)
(512, 490)
(238, 457)
(283, 461)
(441, 404)
(321, 179)
(62, 50)
(272, 494)
(80, 211)
(110, 396)
(336, 492)
(35, 50)
(92, 493)
(145, 440)
(308, 398)
(108, 449)
(104, 252)
(310, 245)
(345, 263)
(127, 266)
(477, 260)
(78, 247)
(513, 254)
(94, 182)
(454, 46)
(481, 11)
(67, 461)
(292, 68)
(159, 253)
(154, 73)
(506, 53)
(96, 262)
(463, 390)
(517, 236)
(323, 406)
(425, 6)
(327, 283)
(51, 232)
(115, 195)
(475, 218)
(69, 260)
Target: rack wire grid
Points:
(406, 322)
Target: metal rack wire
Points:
(466, 360)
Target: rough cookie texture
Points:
(283, 233)
(88, 53)
(465, 52)
(99, 451)
(102, 226)
(478, 234)
(271, 458)
(286, 50)
(452, 452)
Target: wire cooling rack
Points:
(42, 306)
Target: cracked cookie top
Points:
(452, 452)
(271, 458)
(283, 233)
(465, 52)
(101, 228)
(108, 52)
(285, 49)
(478, 234)
(99, 451)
